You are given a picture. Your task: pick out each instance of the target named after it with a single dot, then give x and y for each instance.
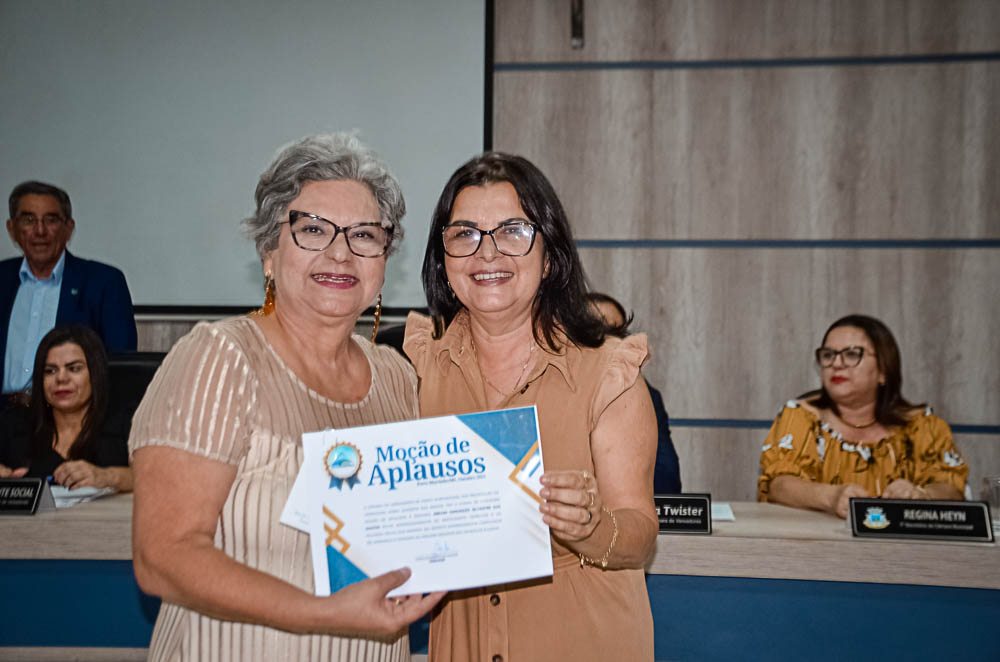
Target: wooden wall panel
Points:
(903, 151)
(159, 335)
(982, 452)
(685, 120)
(732, 330)
(533, 30)
(725, 462)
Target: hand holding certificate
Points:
(454, 498)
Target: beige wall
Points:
(772, 149)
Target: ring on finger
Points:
(590, 517)
(590, 506)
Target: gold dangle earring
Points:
(378, 315)
(268, 306)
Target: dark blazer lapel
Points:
(10, 281)
(71, 292)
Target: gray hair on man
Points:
(319, 158)
(39, 188)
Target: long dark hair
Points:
(891, 408)
(560, 305)
(44, 425)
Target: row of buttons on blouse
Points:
(495, 600)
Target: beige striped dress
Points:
(224, 393)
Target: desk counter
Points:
(765, 541)
(96, 530)
(710, 595)
(769, 541)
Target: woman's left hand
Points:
(572, 503)
(79, 473)
(904, 489)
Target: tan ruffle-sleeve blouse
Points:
(223, 393)
(579, 614)
(800, 444)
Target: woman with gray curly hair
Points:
(216, 441)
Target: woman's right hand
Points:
(7, 472)
(843, 496)
(363, 608)
(571, 505)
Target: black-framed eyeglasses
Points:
(514, 237)
(851, 356)
(50, 221)
(314, 233)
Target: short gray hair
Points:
(320, 158)
(39, 188)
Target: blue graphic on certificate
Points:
(455, 498)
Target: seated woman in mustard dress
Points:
(857, 436)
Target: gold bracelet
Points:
(607, 554)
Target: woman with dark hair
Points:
(511, 327)
(65, 432)
(856, 436)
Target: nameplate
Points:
(965, 521)
(24, 496)
(684, 513)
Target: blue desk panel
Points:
(73, 603)
(88, 603)
(721, 618)
(98, 603)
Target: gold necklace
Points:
(862, 427)
(520, 375)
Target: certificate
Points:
(455, 498)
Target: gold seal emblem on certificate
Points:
(343, 463)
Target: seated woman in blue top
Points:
(65, 432)
(667, 470)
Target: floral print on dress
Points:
(802, 445)
(952, 459)
(863, 451)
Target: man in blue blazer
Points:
(50, 286)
